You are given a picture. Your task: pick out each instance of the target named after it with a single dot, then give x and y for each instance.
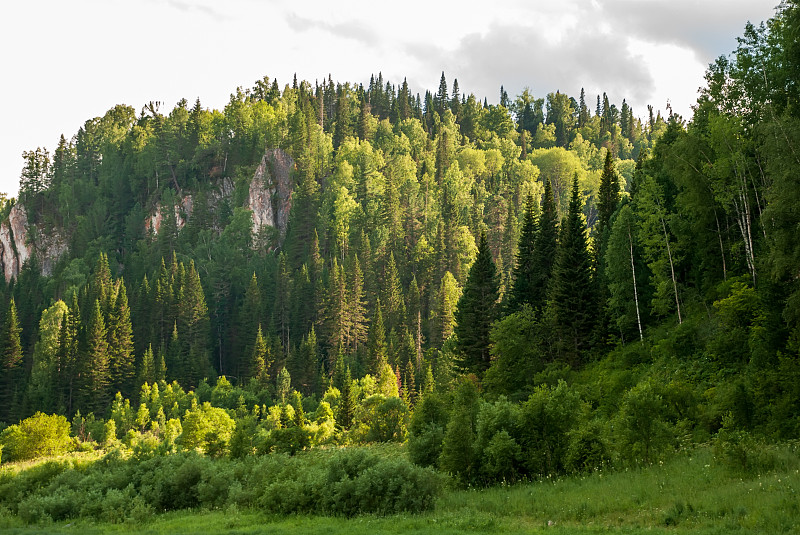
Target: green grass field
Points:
(689, 494)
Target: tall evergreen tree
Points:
(523, 273)
(120, 344)
(11, 365)
(544, 253)
(572, 303)
(96, 379)
(476, 311)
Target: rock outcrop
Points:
(17, 245)
(270, 196)
(182, 213)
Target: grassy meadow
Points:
(691, 493)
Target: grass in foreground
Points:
(689, 494)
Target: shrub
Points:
(642, 432)
(587, 450)
(208, 429)
(547, 419)
(37, 436)
(384, 419)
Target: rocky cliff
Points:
(269, 196)
(19, 241)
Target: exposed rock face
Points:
(16, 247)
(270, 197)
(182, 212)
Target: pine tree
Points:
(260, 360)
(544, 253)
(523, 274)
(96, 374)
(477, 310)
(120, 344)
(147, 368)
(12, 365)
(571, 302)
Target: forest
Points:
(511, 292)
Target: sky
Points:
(66, 62)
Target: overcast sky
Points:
(63, 62)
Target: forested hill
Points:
(328, 230)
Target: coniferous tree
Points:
(260, 360)
(195, 321)
(607, 201)
(477, 310)
(356, 308)
(571, 300)
(68, 357)
(607, 196)
(96, 378)
(147, 368)
(121, 363)
(12, 365)
(523, 274)
(544, 253)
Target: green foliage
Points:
(477, 309)
(517, 354)
(382, 419)
(37, 436)
(644, 433)
(208, 429)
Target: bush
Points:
(37, 436)
(208, 429)
(587, 450)
(643, 434)
(384, 419)
(547, 419)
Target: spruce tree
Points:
(544, 253)
(523, 273)
(259, 360)
(476, 311)
(249, 318)
(12, 368)
(120, 344)
(571, 303)
(95, 391)
(607, 196)
(147, 368)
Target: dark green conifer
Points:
(476, 311)
(571, 300)
(11, 365)
(523, 274)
